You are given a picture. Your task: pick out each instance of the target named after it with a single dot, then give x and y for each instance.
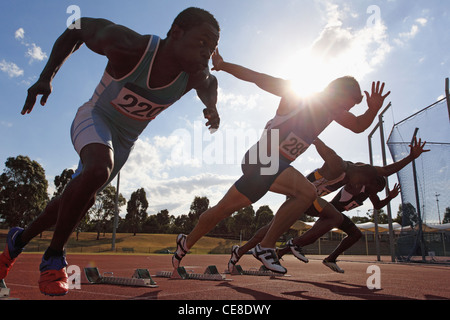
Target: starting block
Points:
(211, 273)
(140, 278)
(263, 271)
(4, 290)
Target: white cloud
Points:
(6, 124)
(11, 69)
(20, 33)
(237, 101)
(403, 37)
(339, 51)
(35, 53)
(170, 183)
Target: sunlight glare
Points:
(311, 74)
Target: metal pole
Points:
(389, 212)
(116, 215)
(437, 202)
(447, 95)
(375, 212)
(422, 247)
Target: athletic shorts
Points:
(89, 127)
(347, 225)
(253, 184)
(315, 209)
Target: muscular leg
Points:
(329, 218)
(302, 192)
(231, 202)
(353, 235)
(80, 193)
(259, 235)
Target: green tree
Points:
(180, 224)
(198, 206)
(104, 208)
(137, 210)
(62, 181)
(446, 216)
(263, 216)
(243, 222)
(23, 191)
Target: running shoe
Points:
(53, 280)
(297, 251)
(234, 258)
(269, 259)
(180, 252)
(9, 255)
(333, 266)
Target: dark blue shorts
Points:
(255, 185)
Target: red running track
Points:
(311, 281)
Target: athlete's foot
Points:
(269, 259)
(9, 255)
(53, 280)
(333, 266)
(180, 252)
(234, 258)
(297, 252)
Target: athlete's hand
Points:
(213, 118)
(417, 148)
(41, 87)
(217, 60)
(395, 191)
(376, 99)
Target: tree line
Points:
(24, 195)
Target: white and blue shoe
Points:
(269, 259)
(234, 258)
(180, 252)
(297, 251)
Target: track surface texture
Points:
(311, 281)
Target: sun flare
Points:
(310, 73)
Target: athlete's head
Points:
(193, 38)
(345, 92)
(192, 17)
(361, 174)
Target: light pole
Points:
(437, 202)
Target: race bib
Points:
(293, 146)
(135, 106)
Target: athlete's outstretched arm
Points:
(378, 203)
(207, 92)
(416, 151)
(99, 35)
(360, 123)
(276, 86)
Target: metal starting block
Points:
(4, 290)
(263, 271)
(141, 278)
(211, 273)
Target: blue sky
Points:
(403, 43)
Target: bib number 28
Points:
(293, 146)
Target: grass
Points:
(141, 243)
